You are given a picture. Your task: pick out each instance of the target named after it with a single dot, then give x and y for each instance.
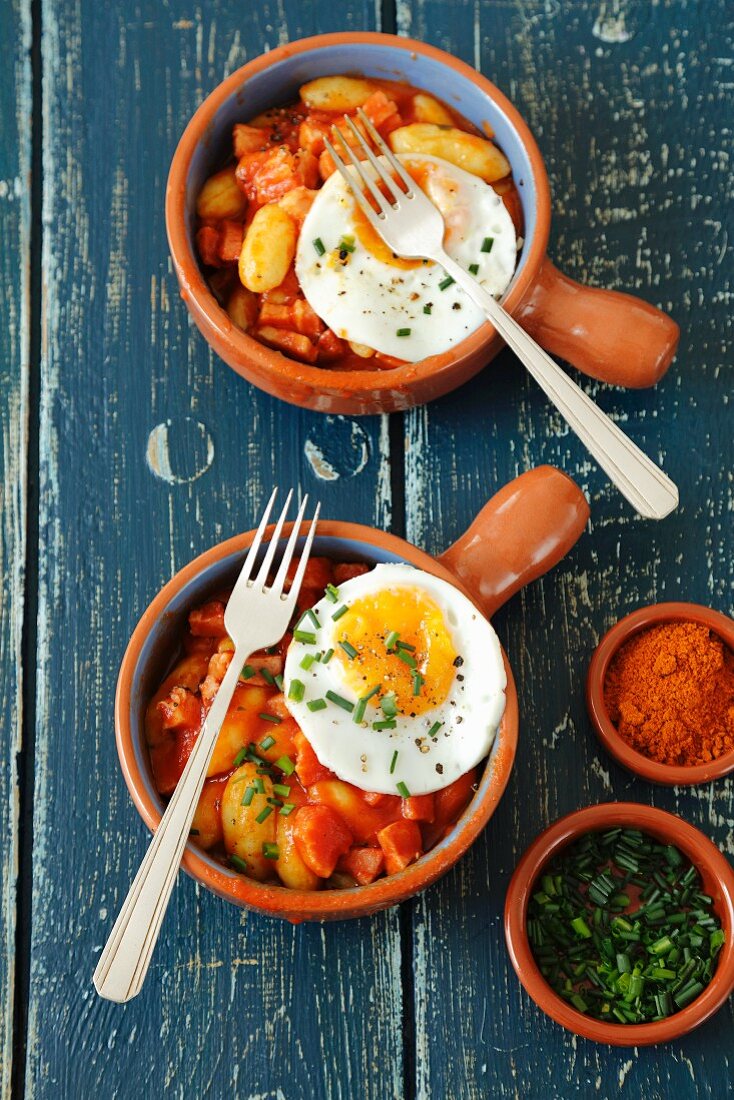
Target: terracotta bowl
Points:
(666, 774)
(524, 530)
(718, 882)
(611, 336)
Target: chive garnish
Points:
(267, 676)
(327, 656)
(248, 796)
(319, 246)
(297, 690)
(239, 864)
(264, 814)
(407, 658)
(270, 718)
(418, 683)
(316, 704)
(307, 661)
(434, 729)
(406, 645)
(267, 743)
(428, 307)
(339, 612)
(313, 617)
(240, 757)
(331, 592)
(286, 765)
(402, 789)
(391, 641)
(385, 724)
(349, 649)
(247, 672)
(340, 701)
(388, 705)
(446, 283)
(305, 636)
(487, 244)
(394, 761)
(403, 332)
(279, 681)
(281, 790)
(359, 710)
(270, 850)
(259, 785)
(287, 808)
(346, 244)
(473, 269)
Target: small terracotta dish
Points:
(611, 336)
(521, 533)
(666, 774)
(718, 882)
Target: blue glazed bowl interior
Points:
(162, 647)
(279, 84)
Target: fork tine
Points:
(379, 168)
(366, 180)
(279, 581)
(386, 151)
(267, 561)
(296, 586)
(353, 185)
(246, 570)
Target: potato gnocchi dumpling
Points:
(250, 213)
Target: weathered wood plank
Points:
(640, 202)
(15, 261)
(152, 451)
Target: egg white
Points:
(471, 712)
(367, 301)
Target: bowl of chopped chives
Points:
(619, 921)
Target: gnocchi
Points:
(268, 249)
(468, 151)
(245, 830)
(221, 198)
(336, 93)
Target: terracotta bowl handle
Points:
(608, 335)
(521, 533)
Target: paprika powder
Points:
(669, 692)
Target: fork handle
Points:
(124, 962)
(638, 479)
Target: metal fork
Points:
(413, 228)
(256, 616)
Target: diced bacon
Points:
(231, 235)
(363, 864)
(311, 134)
(317, 575)
(207, 621)
(402, 843)
(289, 343)
(451, 801)
(285, 292)
(298, 316)
(419, 807)
(207, 244)
(180, 710)
(308, 767)
(321, 838)
(250, 139)
(382, 112)
(346, 570)
(330, 347)
(266, 177)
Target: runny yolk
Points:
(420, 624)
(371, 240)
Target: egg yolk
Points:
(420, 672)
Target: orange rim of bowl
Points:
(281, 900)
(718, 879)
(666, 774)
(264, 362)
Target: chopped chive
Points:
(316, 704)
(248, 796)
(239, 864)
(434, 729)
(418, 683)
(349, 649)
(339, 612)
(259, 785)
(402, 789)
(394, 761)
(581, 928)
(319, 246)
(305, 636)
(307, 661)
(371, 692)
(428, 307)
(270, 850)
(297, 690)
(386, 724)
(270, 718)
(359, 711)
(340, 701)
(391, 640)
(473, 269)
(327, 656)
(281, 789)
(313, 617)
(287, 808)
(247, 672)
(240, 757)
(286, 765)
(279, 681)
(264, 814)
(403, 332)
(407, 658)
(406, 645)
(446, 283)
(267, 743)
(388, 705)
(267, 676)
(487, 244)
(331, 592)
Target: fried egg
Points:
(397, 681)
(404, 308)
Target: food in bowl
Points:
(621, 929)
(349, 749)
(296, 263)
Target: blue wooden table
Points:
(127, 448)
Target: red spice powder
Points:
(670, 693)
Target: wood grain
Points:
(640, 204)
(15, 262)
(235, 1004)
